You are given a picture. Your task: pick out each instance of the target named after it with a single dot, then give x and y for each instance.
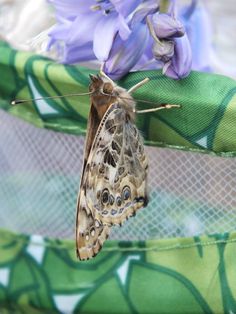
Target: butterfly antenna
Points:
(21, 101)
(102, 73)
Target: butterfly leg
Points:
(132, 89)
(136, 86)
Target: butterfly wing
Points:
(113, 186)
(88, 247)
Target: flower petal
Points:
(72, 7)
(82, 29)
(124, 30)
(147, 61)
(125, 7)
(166, 26)
(60, 32)
(104, 35)
(75, 54)
(180, 65)
(125, 54)
(142, 11)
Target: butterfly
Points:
(114, 174)
(113, 184)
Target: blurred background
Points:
(222, 14)
(25, 24)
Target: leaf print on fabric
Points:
(203, 104)
(173, 293)
(28, 284)
(158, 277)
(225, 132)
(10, 247)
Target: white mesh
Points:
(189, 193)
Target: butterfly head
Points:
(105, 92)
(102, 88)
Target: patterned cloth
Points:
(178, 275)
(192, 275)
(206, 121)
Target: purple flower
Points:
(171, 45)
(166, 26)
(112, 31)
(179, 65)
(91, 22)
(125, 54)
(116, 33)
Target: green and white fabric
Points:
(176, 256)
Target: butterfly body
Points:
(113, 183)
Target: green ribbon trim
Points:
(156, 245)
(201, 125)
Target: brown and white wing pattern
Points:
(113, 186)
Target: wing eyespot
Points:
(111, 199)
(118, 201)
(105, 196)
(113, 212)
(126, 193)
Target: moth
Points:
(114, 174)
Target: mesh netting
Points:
(190, 193)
